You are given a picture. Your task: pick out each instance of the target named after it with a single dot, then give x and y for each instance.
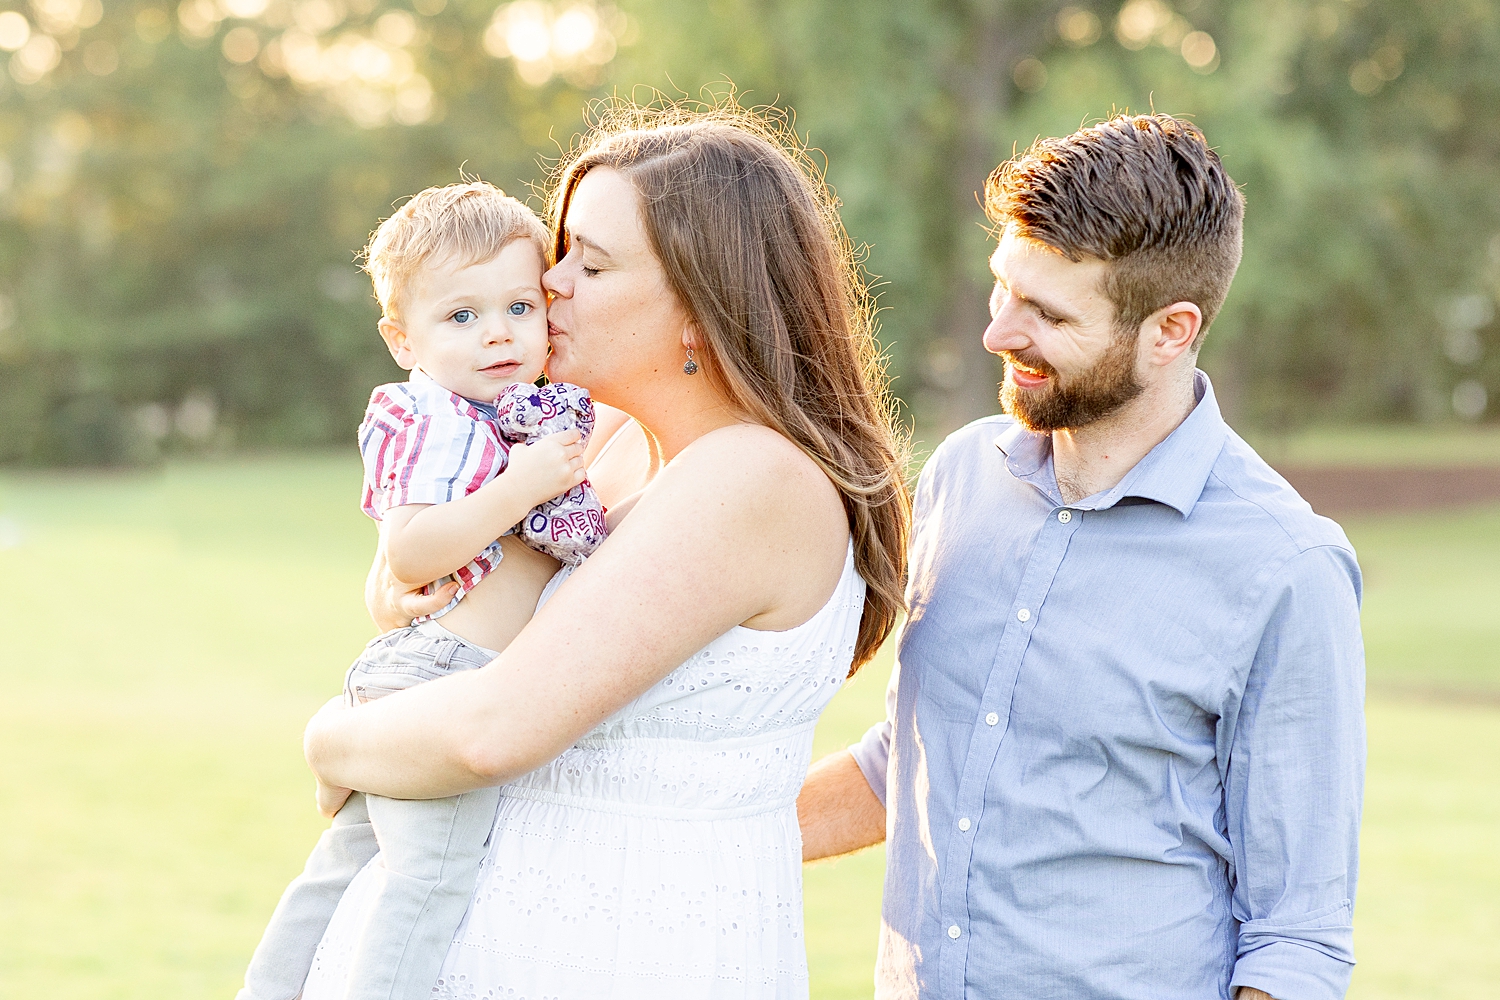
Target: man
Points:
(1124, 749)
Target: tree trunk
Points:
(963, 378)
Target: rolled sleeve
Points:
(1294, 784)
(873, 753)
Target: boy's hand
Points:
(547, 467)
(330, 800)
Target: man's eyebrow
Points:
(1035, 302)
(1054, 311)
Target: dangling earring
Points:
(691, 367)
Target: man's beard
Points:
(1084, 398)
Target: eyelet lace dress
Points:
(659, 857)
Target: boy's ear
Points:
(398, 342)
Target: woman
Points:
(651, 726)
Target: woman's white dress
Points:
(658, 858)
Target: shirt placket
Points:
(990, 727)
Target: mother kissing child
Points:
(650, 727)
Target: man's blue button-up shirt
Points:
(1125, 746)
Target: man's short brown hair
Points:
(1143, 193)
(467, 223)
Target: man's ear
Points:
(1171, 332)
(398, 342)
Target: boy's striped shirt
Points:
(423, 444)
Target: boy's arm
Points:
(425, 542)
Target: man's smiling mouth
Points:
(1026, 377)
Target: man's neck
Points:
(1094, 458)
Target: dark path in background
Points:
(1338, 492)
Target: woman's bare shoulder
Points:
(756, 450)
(758, 446)
(757, 475)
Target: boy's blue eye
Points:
(465, 316)
(520, 308)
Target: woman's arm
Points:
(741, 528)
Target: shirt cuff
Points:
(872, 754)
(1291, 971)
(429, 491)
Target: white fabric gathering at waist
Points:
(716, 743)
(639, 809)
(556, 782)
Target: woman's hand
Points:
(330, 798)
(393, 604)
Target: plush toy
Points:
(570, 526)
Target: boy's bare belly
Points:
(495, 611)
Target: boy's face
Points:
(474, 329)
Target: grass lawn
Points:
(1405, 445)
(154, 801)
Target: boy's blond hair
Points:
(465, 223)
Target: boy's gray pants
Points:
(430, 853)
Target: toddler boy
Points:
(448, 470)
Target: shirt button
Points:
(993, 719)
(954, 932)
(964, 824)
(1023, 615)
(1065, 515)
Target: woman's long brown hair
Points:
(750, 239)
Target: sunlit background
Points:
(186, 346)
(182, 188)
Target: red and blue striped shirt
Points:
(423, 444)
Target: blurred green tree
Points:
(184, 194)
(183, 187)
(1363, 132)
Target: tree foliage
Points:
(183, 188)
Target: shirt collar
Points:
(1173, 473)
(421, 381)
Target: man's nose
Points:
(1006, 332)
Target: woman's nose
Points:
(554, 283)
